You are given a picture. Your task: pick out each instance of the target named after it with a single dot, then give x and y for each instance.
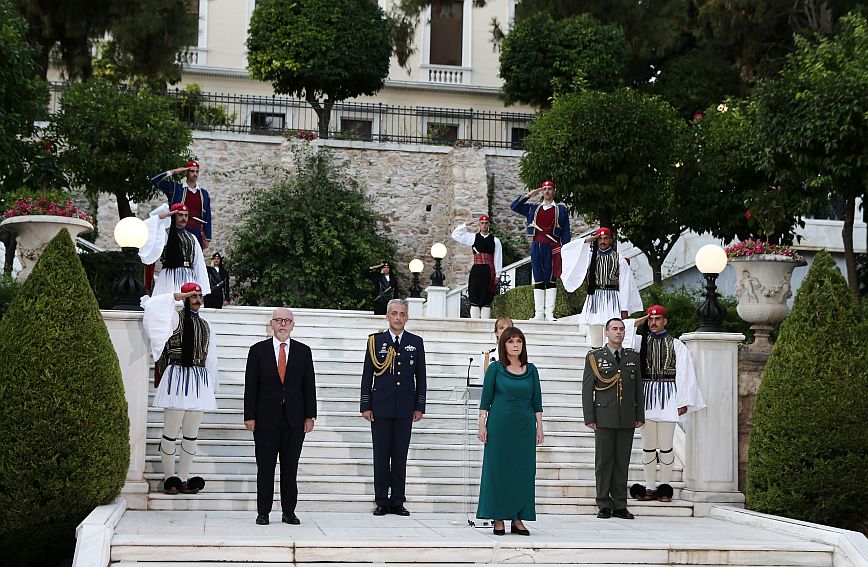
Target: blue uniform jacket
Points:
(401, 389)
(175, 192)
(562, 229)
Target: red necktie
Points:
(281, 362)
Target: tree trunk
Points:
(323, 115)
(656, 267)
(124, 209)
(847, 237)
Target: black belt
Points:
(661, 378)
(608, 287)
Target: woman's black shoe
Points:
(500, 531)
(517, 530)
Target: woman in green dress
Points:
(510, 425)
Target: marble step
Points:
(355, 539)
(428, 433)
(308, 502)
(350, 364)
(554, 407)
(437, 453)
(417, 469)
(360, 481)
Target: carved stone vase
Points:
(762, 289)
(34, 232)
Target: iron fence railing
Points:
(365, 122)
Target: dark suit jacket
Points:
(264, 394)
(603, 406)
(401, 390)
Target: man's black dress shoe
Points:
(623, 514)
(290, 518)
(604, 513)
(262, 519)
(517, 530)
(381, 511)
(400, 511)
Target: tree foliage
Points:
(812, 124)
(306, 241)
(23, 98)
(62, 394)
(614, 158)
(321, 50)
(757, 35)
(148, 34)
(809, 444)
(115, 139)
(695, 80)
(542, 56)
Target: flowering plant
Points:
(751, 247)
(45, 206)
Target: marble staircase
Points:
(335, 472)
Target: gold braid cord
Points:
(380, 367)
(613, 382)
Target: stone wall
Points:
(751, 366)
(422, 192)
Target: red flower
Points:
(747, 214)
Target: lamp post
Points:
(711, 260)
(438, 251)
(416, 266)
(130, 234)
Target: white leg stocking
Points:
(485, 313)
(172, 419)
(192, 420)
(539, 304)
(665, 433)
(649, 453)
(474, 312)
(551, 296)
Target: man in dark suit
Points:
(393, 397)
(279, 408)
(613, 401)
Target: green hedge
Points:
(8, 290)
(65, 447)
(809, 442)
(517, 303)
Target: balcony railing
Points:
(363, 122)
(446, 74)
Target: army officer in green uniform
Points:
(613, 402)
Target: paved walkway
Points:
(432, 538)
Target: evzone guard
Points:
(549, 224)
(612, 291)
(178, 251)
(487, 265)
(671, 392)
(185, 378)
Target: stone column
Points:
(415, 307)
(435, 307)
(128, 338)
(711, 435)
(751, 365)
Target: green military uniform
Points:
(613, 398)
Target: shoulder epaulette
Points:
(628, 349)
(377, 332)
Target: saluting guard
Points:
(393, 398)
(487, 264)
(549, 224)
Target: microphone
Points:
(468, 371)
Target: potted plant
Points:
(36, 220)
(763, 274)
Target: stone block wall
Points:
(422, 192)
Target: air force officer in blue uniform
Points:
(393, 397)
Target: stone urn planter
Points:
(34, 232)
(762, 289)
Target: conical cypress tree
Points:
(809, 444)
(65, 443)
